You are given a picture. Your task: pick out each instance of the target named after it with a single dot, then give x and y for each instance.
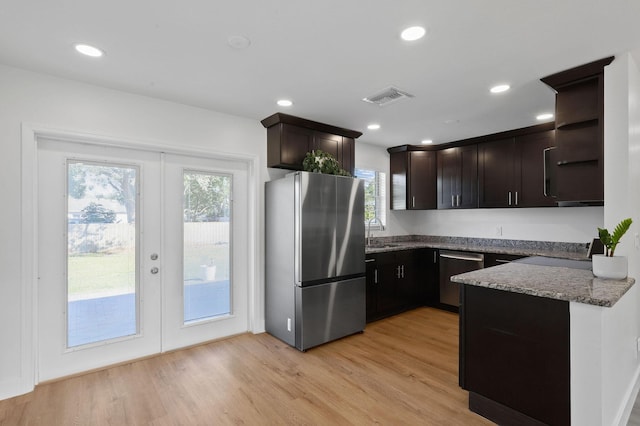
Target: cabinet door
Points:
(398, 167)
(422, 180)
(389, 301)
(448, 177)
(346, 160)
(396, 290)
(523, 341)
(468, 196)
(531, 158)
(429, 276)
(372, 287)
(331, 144)
(295, 142)
(458, 177)
(498, 183)
(409, 279)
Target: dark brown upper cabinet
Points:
(458, 177)
(533, 180)
(578, 160)
(289, 139)
(511, 171)
(413, 180)
(499, 183)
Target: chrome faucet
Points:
(369, 228)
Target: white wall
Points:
(564, 224)
(620, 363)
(56, 103)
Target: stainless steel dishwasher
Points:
(454, 263)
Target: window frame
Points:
(379, 179)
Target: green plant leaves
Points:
(610, 241)
(318, 161)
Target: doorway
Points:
(138, 252)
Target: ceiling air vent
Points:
(387, 96)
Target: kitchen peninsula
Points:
(534, 347)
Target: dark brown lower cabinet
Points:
(399, 280)
(514, 356)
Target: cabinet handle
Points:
(375, 276)
(458, 200)
(509, 197)
(435, 259)
(413, 202)
(398, 271)
(516, 198)
(546, 188)
(453, 203)
(402, 269)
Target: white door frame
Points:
(29, 231)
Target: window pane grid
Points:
(374, 198)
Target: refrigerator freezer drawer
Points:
(329, 311)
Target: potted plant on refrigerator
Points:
(607, 265)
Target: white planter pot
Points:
(614, 268)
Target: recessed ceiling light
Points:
(85, 49)
(284, 103)
(238, 42)
(413, 33)
(500, 88)
(545, 116)
(373, 126)
(426, 142)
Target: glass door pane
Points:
(102, 273)
(206, 245)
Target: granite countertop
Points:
(554, 282)
(575, 251)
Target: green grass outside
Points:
(115, 273)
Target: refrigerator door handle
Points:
(297, 244)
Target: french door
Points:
(139, 252)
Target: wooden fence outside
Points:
(111, 237)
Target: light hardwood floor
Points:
(401, 370)
(634, 418)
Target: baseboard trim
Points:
(498, 413)
(622, 418)
(15, 387)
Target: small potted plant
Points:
(607, 265)
(318, 161)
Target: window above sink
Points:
(374, 196)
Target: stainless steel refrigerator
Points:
(314, 258)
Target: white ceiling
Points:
(326, 55)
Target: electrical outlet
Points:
(498, 231)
